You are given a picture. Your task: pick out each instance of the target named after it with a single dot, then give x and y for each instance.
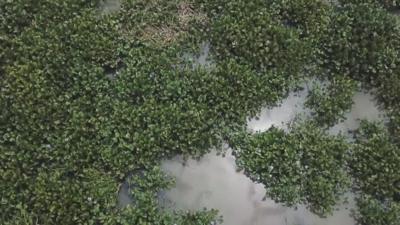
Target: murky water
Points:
(213, 182)
(110, 6)
(364, 107)
(124, 197)
(202, 59)
(279, 116)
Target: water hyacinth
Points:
(296, 167)
(88, 99)
(329, 103)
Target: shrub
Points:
(304, 166)
(330, 103)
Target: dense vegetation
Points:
(303, 166)
(330, 101)
(89, 100)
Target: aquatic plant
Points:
(386, 3)
(373, 211)
(304, 166)
(374, 162)
(310, 17)
(249, 33)
(330, 102)
(87, 100)
(362, 43)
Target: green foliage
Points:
(145, 188)
(385, 3)
(363, 43)
(372, 211)
(375, 161)
(57, 196)
(18, 15)
(330, 102)
(310, 17)
(75, 131)
(303, 166)
(87, 99)
(394, 125)
(68, 135)
(249, 33)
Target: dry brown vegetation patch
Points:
(171, 32)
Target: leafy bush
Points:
(375, 161)
(362, 42)
(394, 125)
(249, 33)
(88, 99)
(303, 166)
(18, 15)
(146, 187)
(385, 3)
(372, 211)
(311, 17)
(68, 126)
(329, 103)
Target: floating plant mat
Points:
(92, 91)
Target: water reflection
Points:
(213, 182)
(279, 116)
(364, 108)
